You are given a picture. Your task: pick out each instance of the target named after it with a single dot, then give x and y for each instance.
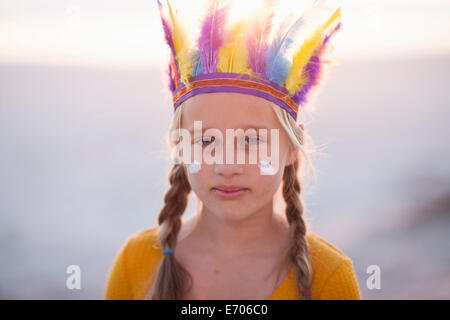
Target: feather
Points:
(303, 55)
(327, 38)
(261, 25)
(278, 65)
(170, 74)
(183, 51)
(198, 67)
(168, 35)
(212, 35)
(313, 70)
(233, 56)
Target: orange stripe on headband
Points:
(239, 83)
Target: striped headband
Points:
(234, 82)
(252, 55)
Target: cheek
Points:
(264, 185)
(263, 189)
(199, 179)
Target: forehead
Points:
(228, 110)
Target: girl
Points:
(237, 246)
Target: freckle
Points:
(216, 271)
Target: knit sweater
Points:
(333, 274)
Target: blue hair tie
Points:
(167, 251)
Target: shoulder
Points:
(140, 256)
(143, 247)
(144, 238)
(323, 252)
(132, 267)
(332, 270)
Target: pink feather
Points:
(258, 37)
(212, 35)
(168, 35)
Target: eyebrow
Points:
(245, 128)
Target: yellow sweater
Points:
(333, 274)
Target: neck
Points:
(256, 234)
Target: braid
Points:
(171, 278)
(298, 251)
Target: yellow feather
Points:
(233, 55)
(295, 79)
(182, 48)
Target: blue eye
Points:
(251, 141)
(205, 141)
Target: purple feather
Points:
(212, 35)
(313, 69)
(168, 32)
(168, 35)
(257, 39)
(170, 74)
(330, 35)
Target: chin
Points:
(232, 217)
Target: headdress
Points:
(279, 62)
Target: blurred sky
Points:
(129, 34)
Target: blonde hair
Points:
(172, 281)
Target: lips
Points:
(229, 191)
(229, 188)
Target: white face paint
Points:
(194, 167)
(266, 168)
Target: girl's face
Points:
(235, 191)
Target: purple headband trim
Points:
(254, 92)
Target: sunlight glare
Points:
(241, 9)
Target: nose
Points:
(228, 170)
(229, 167)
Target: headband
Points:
(252, 55)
